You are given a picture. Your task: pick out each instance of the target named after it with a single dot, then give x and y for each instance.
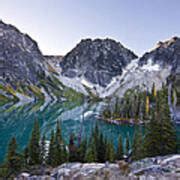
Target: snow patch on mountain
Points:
(132, 76)
(150, 66)
(74, 83)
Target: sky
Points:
(58, 25)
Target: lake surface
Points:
(18, 121)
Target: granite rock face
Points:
(165, 53)
(20, 57)
(97, 61)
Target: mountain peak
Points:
(101, 43)
(20, 57)
(97, 61)
(169, 42)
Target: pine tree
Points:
(101, 149)
(119, 153)
(13, 159)
(64, 155)
(51, 160)
(72, 149)
(43, 149)
(127, 145)
(34, 145)
(116, 108)
(95, 136)
(154, 92)
(110, 152)
(91, 155)
(58, 133)
(137, 146)
(152, 137)
(160, 137)
(26, 156)
(59, 149)
(168, 133)
(82, 150)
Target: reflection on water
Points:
(18, 121)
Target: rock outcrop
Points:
(166, 168)
(26, 75)
(20, 57)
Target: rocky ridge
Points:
(101, 68)
(105, 67)
(20, 57)
(26, 75)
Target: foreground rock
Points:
(167, 167)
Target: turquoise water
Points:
(18, 121)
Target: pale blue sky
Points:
(58, 25)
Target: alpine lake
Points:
(17, 120)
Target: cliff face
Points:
(26, 75)
(20, 57)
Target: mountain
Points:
(167, 55)
(104, 67)
(26, 75)
(155, 66)
(97, 61)
(97, 68)
(92, 66)
(20, 57)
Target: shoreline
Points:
(121, 121)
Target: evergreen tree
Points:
(51, 160)
(82, 150)
(95, 136)
(160, 137)
(72, 149)
(64, 155)
(91, 155)
(26, 156)
(59, 145)
(154, 92)
(110, 153)
(101, 149)
(58, 133)
(168, 133)
(34, 145)
(137, 146)
(43, 149)
(116, 108)
(127, 145)
(13, 159)
(119, 153)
